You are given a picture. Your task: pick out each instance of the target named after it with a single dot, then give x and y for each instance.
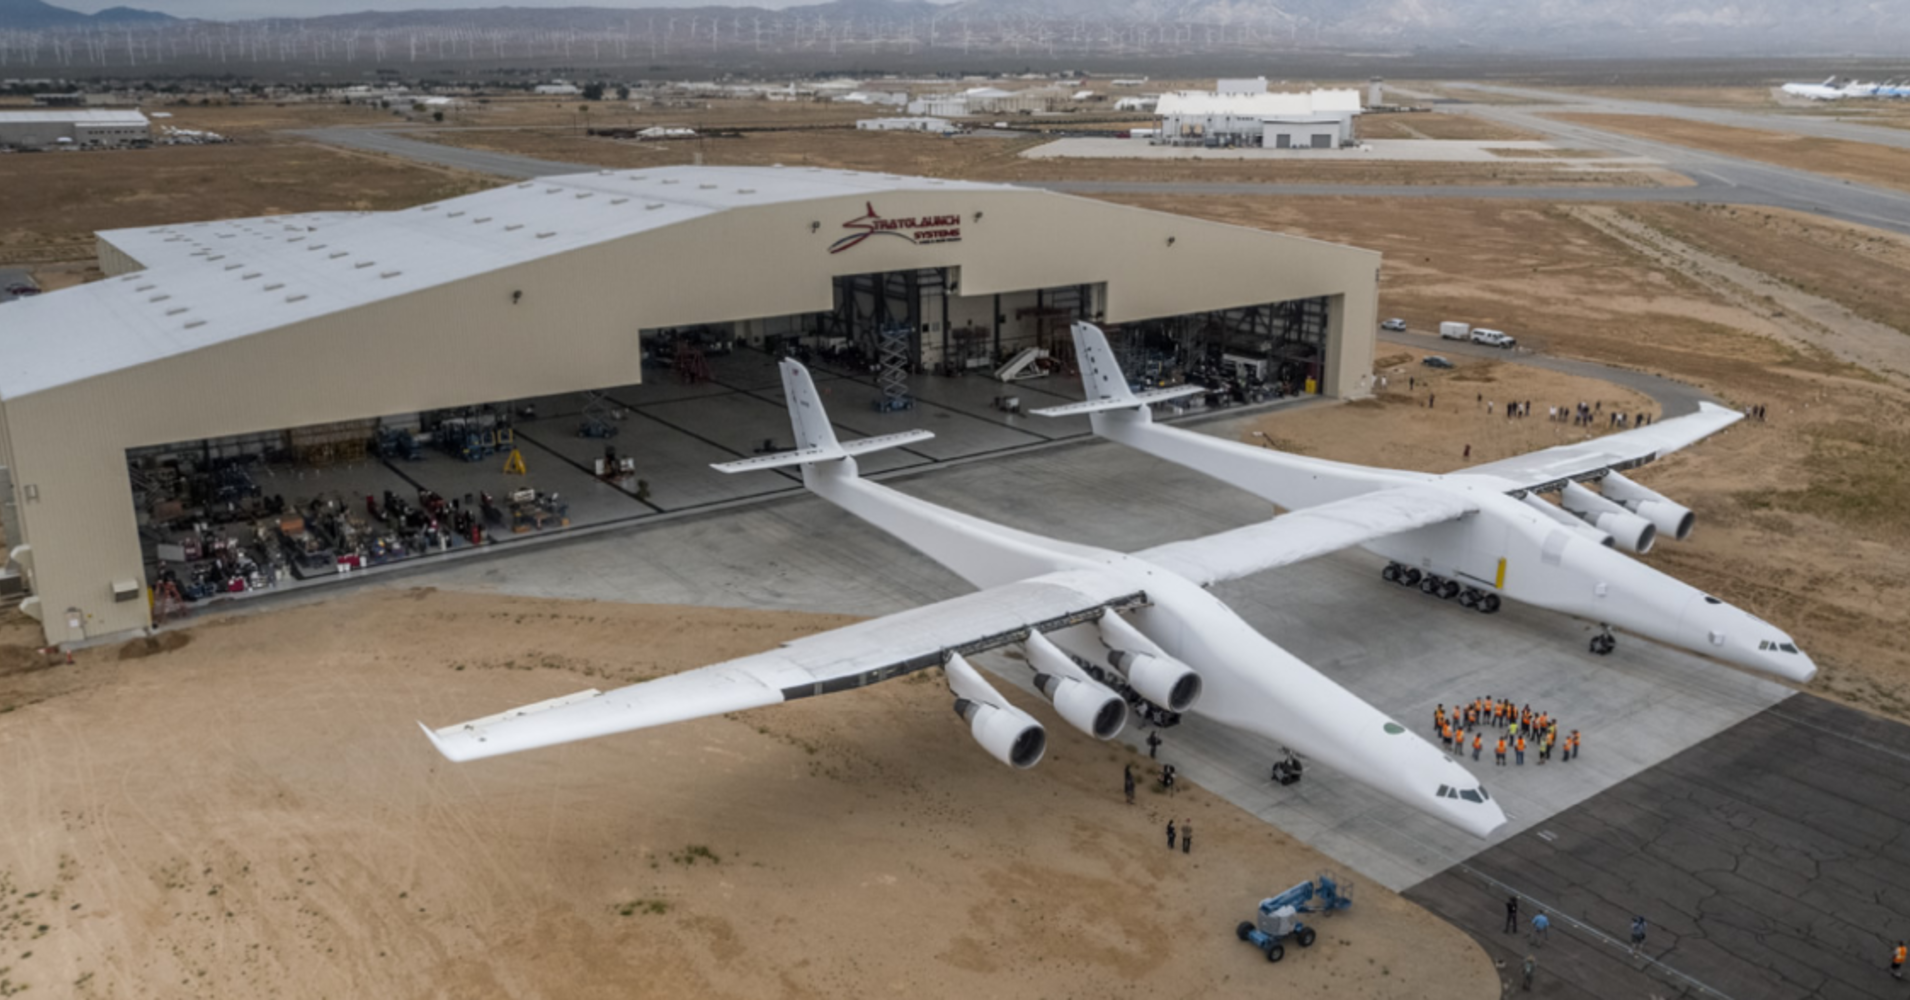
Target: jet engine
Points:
(1159, 677)
(1569, 523)
(1631, 532)
(1009, 734)
(1671, 517)
(1086, 704)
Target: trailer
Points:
(1449, 330)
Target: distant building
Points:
(916, 124)
(1136, 103)
(82, 128)
(1256, 85)
(559, 89)
(983, 101)
(897, 98)
(77, 99)
(1210, 118)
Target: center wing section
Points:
(1307, 533)
(839, 660)
(1549, 470)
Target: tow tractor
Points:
(1279, 917)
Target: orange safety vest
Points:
(1521, 744)
(1501, 746)
(1900, 954)
(1478, 741)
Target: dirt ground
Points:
(247, 809)
(1434, 125)
(1803, 520)
(998, 159)
(1858, 161)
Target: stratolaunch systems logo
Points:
(927, 229)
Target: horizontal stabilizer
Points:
(1135, 401)
(827, 453)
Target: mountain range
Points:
(1072, 29)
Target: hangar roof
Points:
(209, 283)
(81, 116)
(1198, 102)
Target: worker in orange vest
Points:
(1439, 717)
(1478, 744)
(1501, 751)
(1445, 735)
(1520, 747)
(1575, 747)
(1897, 958)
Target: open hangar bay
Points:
(254, 403)
(1688, 764)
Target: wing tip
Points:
(438, 743)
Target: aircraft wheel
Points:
(1245, 930)
(1430, 585)
(1489, 604)
(1603, 645)
(1469, 598)
(1275, 951)
(1450, 591)
(1391, 573)
(1410, 577)
(1305, 937)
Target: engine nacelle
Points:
(1159, 677)
(1671, 517)
(1626, 529)
(1085, 705)
(1009, 734)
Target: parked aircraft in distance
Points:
(1835, 90)
(1497, 540)
(1100, 630)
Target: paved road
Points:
(1770, 860)
(1674, 398)
(478, 160)
(1768, 121)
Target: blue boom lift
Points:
(1280, 916)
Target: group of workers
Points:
(1521, 729)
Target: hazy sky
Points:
(227, 10)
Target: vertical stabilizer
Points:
(1101, 375)
(806, 415)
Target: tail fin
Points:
(1106, 386)
(815, 437)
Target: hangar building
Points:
(80, 127)
(214, 352)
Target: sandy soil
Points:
(1857, 161)
(246, 809)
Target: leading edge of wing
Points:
(1307, 533)
(1623, 450)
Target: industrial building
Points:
(1242, 116)
(917, 124)
(257, 402)
(75, 127)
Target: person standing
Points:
(1501, 752)
(1512, 914)
(1575, 746)
(1127, 783)
(1468, 453)
(1638, 934)
(1478, 744)
(1170, 834)
(1541, 927)
(1897, 958)
(1531, 966)
(1519, 748)
(1153, 745)
(1187, 836)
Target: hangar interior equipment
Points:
(259, 403)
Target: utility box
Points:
(1454, 331)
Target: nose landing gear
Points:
(1604, 642)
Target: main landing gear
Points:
(1604, 642)
(1442, 588)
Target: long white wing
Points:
(1307, 533)
(1543, 471)
(851, 657)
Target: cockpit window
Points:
(1788, 648)
(1708, 599)
(1470, 795)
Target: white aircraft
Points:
(1099, 629)
(1491, 537)
(1831, 90)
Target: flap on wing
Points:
(779, 460)
(839, 660)
(1552, 468)
(1130, 402)
(881, 441)
(1307, 533)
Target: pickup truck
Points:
(1492, 338)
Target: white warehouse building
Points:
(1241, 119)
(282, 344)
(78, 127)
